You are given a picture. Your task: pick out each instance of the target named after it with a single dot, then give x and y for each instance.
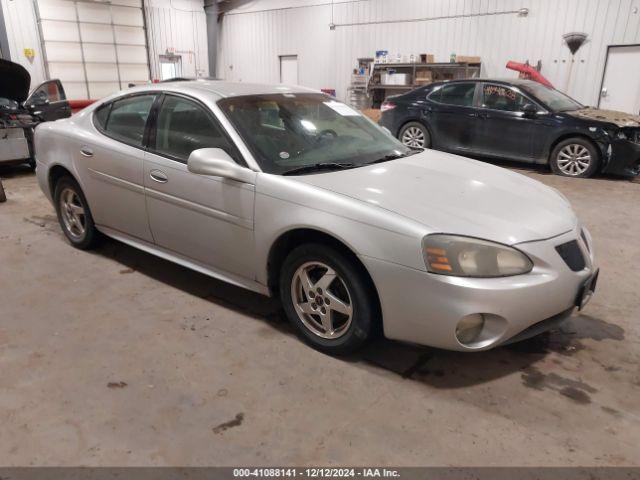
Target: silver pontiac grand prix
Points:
(286, 191)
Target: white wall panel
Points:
(67, 72)
(254, 33)
(96, 33)
(76, 90)
(101, 89)
(134, 73)
(127, 16)
(129, 35)
(59, 31)
(94, 12)
(57, 10)
(64, 52)
(129, 54)
(102, 72)
(98, 53)
(20, 22)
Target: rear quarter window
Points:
(101, 115)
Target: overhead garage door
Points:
(94, 47)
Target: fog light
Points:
(469, 328)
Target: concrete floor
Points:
(115, 357)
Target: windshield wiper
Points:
(393, 156)
(316, 167)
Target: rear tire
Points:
(327, 299)
(74, 214)
(575, 157)
(415, 135)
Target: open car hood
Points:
(620, 119)
(14, 81)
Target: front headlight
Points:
(469, 257)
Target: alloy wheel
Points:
(73, 214)
(322, 300)
(574, 159)
(413, 137)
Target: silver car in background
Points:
(285, 191)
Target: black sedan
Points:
(517, 120)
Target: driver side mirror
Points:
(530, 110)
(39, 99)
(215, 162)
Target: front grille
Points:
(572, 255)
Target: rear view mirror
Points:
(216, 162)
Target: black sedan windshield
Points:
(296, 132)
(552, 98)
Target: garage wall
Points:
(254, 33)
(178, 27)
(173, 25)
(20, 22)
(95, 49)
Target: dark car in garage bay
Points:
(21, 111)
(517, 120)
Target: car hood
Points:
(14, 81)
(620, 119)
(452, 194)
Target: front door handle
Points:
(86, 151)
(158, 176)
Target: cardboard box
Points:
(372, 113)
(424, 75)
(427, 58)
(467, 59)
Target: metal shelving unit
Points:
(437, 72)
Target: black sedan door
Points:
(49, 101)
(505, 129)
(451, 117)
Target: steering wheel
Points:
(326, 134)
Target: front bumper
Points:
(424, 308)
(623, 158)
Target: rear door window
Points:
(128, 118)
(460, 94)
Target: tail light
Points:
(387, 106)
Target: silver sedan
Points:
(287, 192)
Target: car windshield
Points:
(308, 133)
(552, 98)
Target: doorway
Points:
(289, 69)
(620, 88)
(170, 67)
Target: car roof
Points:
(221, 88)
(504, 81)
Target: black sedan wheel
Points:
(574, 157)
(415, 135)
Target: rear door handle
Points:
(158, 176)
(86, 151)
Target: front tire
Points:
(415, 135)
(327, 299)
(74, 214)
(575, 157)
